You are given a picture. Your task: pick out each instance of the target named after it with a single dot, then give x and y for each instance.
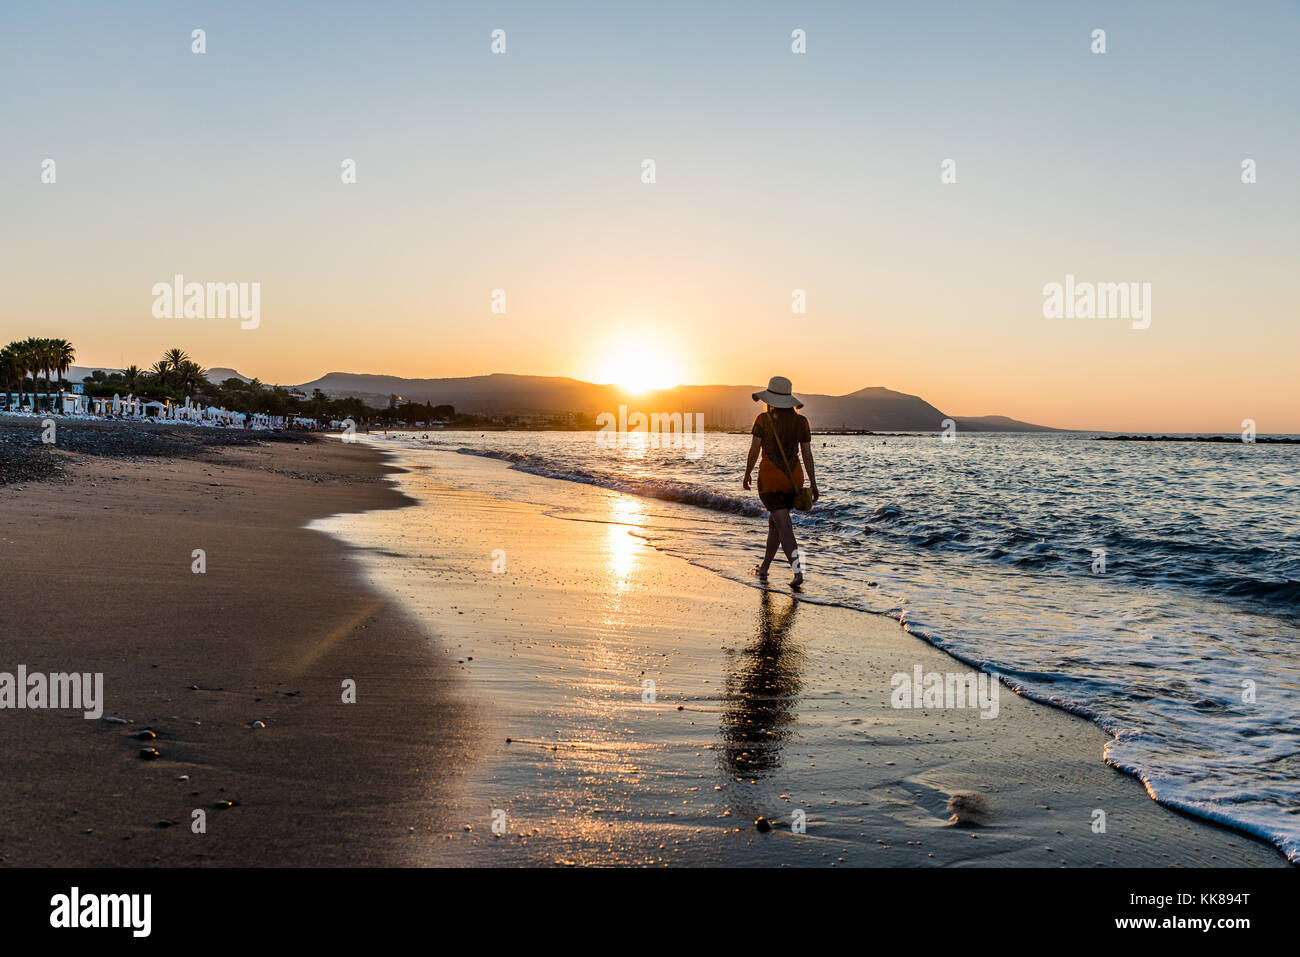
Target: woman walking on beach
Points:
(783, 436)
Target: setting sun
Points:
(639, 368)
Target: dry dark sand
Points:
(96, 574)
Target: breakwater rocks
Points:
(1226, 439)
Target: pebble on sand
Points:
(258, 724)
(763, 825)
(968, 809)
(149, 754)
(145, 735)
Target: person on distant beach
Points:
(783, 436)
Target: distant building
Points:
(536, 419)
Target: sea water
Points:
(1153, 587)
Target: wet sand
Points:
(761, 707)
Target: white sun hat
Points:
(778, 394)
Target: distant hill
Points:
(77, 373)
(215, 376)
(729, 406)
(998, 423)
(482, 393)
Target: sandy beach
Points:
(501, 652)
(98, 578)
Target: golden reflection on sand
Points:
(623, 551)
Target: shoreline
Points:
(531, 683)
(561, 592)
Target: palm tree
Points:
(191, 376)
(26, 362)
(32, 353)
(47, 366)
(161, 371)
(132, 378)
(62, 353)
(36, 356)
(175, 358)
(22, 354)
(11, 368)
(41, 356)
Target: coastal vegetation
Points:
(37, 367)
(32, 360)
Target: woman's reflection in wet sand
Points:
(759, 695)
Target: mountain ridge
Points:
(871, 408)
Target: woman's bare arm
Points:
(753, 457)
(805, 449)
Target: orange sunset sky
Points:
(774, 172)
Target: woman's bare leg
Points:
(773, 540)
(785, 529)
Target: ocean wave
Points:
(501, 454)
(1276, 593)
(1198, 566)
(665, 491)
